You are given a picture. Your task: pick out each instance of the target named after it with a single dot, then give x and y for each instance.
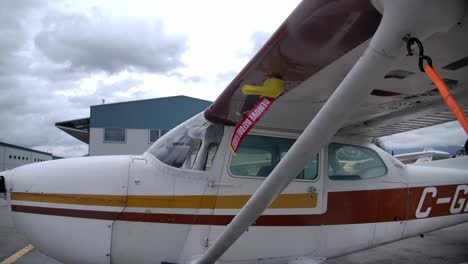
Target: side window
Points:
(114, 135)
(348, 162)
(259, 155)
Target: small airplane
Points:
(280, 168)
(426, 155)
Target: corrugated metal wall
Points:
(165, 112)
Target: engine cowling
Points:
(66, 208)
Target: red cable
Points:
(448, 97)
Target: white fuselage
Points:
(137, 209)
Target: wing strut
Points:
(386, 47)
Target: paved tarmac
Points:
(449, 245)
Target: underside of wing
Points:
(313, 51)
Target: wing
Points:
(313, 51)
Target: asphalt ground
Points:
(449, 245)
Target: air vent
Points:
(398, 74)
(456, 64)
(383, 93)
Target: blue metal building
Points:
(131, 127)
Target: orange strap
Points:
(448, 97)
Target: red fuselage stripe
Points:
(352, 207)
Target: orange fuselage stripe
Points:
(284, 201)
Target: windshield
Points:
(187, 146)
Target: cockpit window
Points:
(259, 155)
(349, 162)
(187, 146)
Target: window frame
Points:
(327, 163)
(114, 142)
(275, 135)
(149, 135)
(210, 147)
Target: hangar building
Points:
(131, 127)
(12, 156)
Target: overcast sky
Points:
(59, 57)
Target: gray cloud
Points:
(45, 52)
(224, 77)
(28, 112)
(14, 35)
(447, 134)
(194, 78)
(108, 92)
(259, 38)
(94, 42)
(182, 77)
(26, 103)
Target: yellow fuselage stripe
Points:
(284, 201)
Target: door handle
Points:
(312, 189)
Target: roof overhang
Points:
(78, 128)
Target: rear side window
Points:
(259, 155)
(349, 162)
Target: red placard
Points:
(249, 121)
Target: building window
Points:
(163, 131)
(11, 156)
(259, 155)
(114, 135)
(154, 135)
(348, 163)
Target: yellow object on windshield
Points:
(272, 88)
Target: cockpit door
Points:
(298, 208)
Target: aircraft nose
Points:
(66, 208)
